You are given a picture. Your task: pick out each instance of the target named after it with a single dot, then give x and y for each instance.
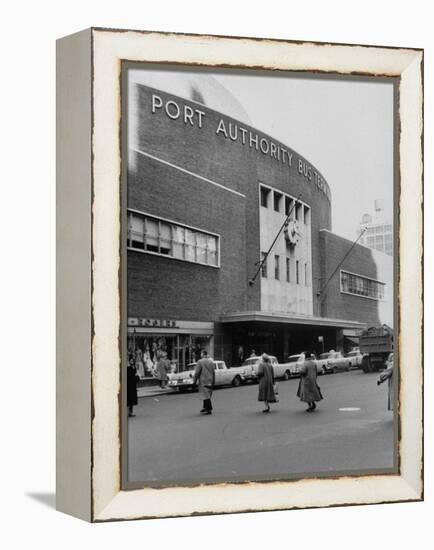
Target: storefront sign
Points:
(157, 323)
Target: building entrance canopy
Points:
(281, 334)
(290, 319)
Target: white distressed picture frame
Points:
(88, 274)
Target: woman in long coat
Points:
(132, 379)
(308, 389)
(266, 382)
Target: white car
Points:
(322, 363)
(337, 362)
(354, 359)
(281, 370)
(224, 376)
(294, 364)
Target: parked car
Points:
(322, 364)
(252, 363)
(281, 370)
(224, 376)
(337, 362)
(294, 364)
(354, 359)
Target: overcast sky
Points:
(345, 128)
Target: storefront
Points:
(181, 340)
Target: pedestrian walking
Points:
(308, 390)
(266, 391)
(162, 369)
(204, 374)
(132, 380)
(388, 375)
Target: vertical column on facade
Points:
(286, 337)
(339, 339)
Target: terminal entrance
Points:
(279, 339)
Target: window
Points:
(288, 204)
(298, 211)
(178, 235)
(151, 234)
(264, 265)
(276, 268)
(265, 193)
(190, 245)
(361, 286)
(288, 270)
(306, 215)
(136, 233)
(165, 237)
(306, 282)
(297, 274)
(277, 201)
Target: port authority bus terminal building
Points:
(206, 196)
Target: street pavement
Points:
(169, 440)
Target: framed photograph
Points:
(239, 267)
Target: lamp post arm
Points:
(321, 291)
(285, 223)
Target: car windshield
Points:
(293, 358)
(251, 361)
(324, 355)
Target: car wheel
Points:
(286, 375)
(236, 381)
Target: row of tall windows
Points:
(361, 286)
(295, 270)
(151, 234)
(283, 203)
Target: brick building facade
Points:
(205, 195)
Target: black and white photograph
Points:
(259, 260)
(217, 235)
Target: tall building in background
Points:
(379, 230)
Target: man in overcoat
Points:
(205, 375)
